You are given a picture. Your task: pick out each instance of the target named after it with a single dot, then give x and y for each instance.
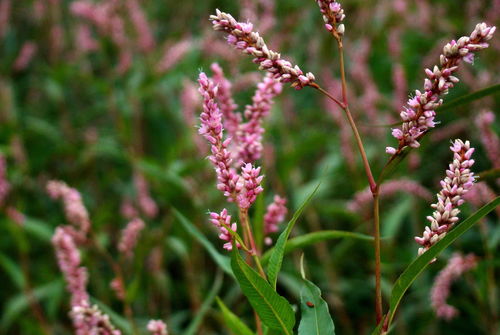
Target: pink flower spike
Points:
(458, 181)
(221, 221)
(333, 15)
(129, 237)
(275, 214)
(418, 116)
(240, 35)
(456, 266)
(249, 183)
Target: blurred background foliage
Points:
(93, 120)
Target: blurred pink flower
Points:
(489, 138)
(275, 214)
(146, 203)
(129, 237)
(4, 183)
(157, 327)
(5, 11)
(173, 54)
(456, 266)
(146, 41)
(28, 51)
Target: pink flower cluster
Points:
(130, 236)
(4, 183)
(418, 116)
(249, 186)
(456, 266)
(28, 51)
(333, 15)
(223, 222)
(68, 258)
(75, 210)
(275, 214)
(249, 134)
(459, 180)
(157, 327)
(90, 320)
(242, 36)
(212, 129)
(146, 203)
(230, 119)
(488, 137)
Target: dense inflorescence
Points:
(459, 180)
(419, 114)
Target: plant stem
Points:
(376, 233)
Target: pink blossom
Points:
(456, 266)
(127, 210)
(173, 54)
(459, 180)
(75, 211)
(68, 258)
(230, 119)
(118, 287)
(223, 222)
(249, 184)
(418, 116)
(242, 36)
(489, 138)
(249, 134)
(333, 15)
(138, 17)
(4, 183)
(5, 11)
(146, 203)
(90, 320)
(85, 42)
(130, 236)
(275, 214)
(157, 327)
(28, 51)
(212, 129)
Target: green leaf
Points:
(205, 306)
(276, 258)
(235, 325)
(38, 228)
(316, 319)
(16, 305)
(221, 260)
(273, 309)
(418, 265)
(302, 241)
(464, 99)
(13, 270)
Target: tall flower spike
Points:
(456, 266)
(333, 15)
(249, 135)
(459, 180)
(223, 221)
(90, 320)
(418, 116)
(242, 36)
(211, 128)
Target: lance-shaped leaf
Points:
(274, 310)
(316, 319)
(232, 322)
(276, 258)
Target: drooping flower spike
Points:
(459, 180)
(242, 36)
(418, 116)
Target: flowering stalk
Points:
(459, 180)
(242, 36)
(456, 266)
(333, 15)
(418, 116)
